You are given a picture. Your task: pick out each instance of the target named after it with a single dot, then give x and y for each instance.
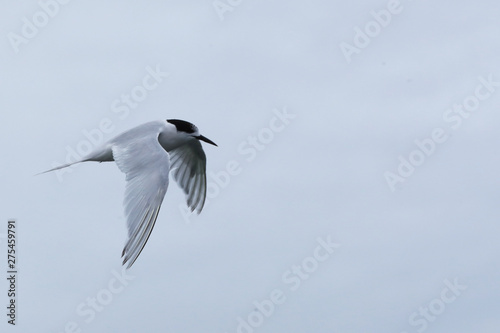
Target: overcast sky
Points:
(355, 187)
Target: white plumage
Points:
(146, 154)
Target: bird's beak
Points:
(202, 138)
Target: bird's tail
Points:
(60, 167)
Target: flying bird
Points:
(146, 154)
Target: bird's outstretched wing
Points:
(188, 163)
(146, 165)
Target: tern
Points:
(146, 154)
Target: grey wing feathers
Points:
(188, 163)
(146, 166)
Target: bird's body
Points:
(147, 154)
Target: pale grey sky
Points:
(314, 107)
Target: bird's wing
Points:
(146, 166)
(189, 166)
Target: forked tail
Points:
(60, 167)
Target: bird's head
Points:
(186, 128)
